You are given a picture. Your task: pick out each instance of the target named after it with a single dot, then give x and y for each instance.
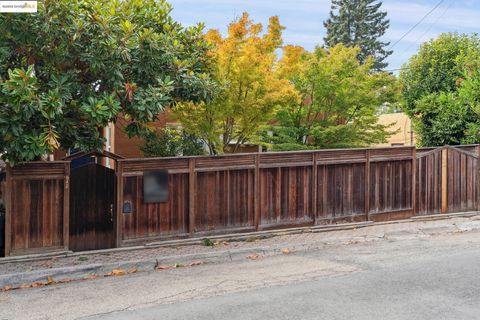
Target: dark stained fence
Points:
(341, 185)
(391, 188)
(152, 220)
(462, 179)
(428, 181)
(37, 208)
(246, 192)
(447, 180)
(286, 189)
(236, 193)
(92, 204)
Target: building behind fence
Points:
(232, 193)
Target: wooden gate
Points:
(447, 180)
(36, 201)
(92, 205)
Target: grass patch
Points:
(207, 242)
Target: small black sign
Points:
(155, 186)
(127, 207)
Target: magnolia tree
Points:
(76, 65)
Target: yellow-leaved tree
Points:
(245, 65)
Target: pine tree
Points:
(359, 23)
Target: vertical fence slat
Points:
(191, 196)
(314, 187)
(477, 185)
(444, 180)
(413, 179)
(8, 211)
(256, 192)
(324, 193)
(119, 207)
(367, 185)
(66, 207)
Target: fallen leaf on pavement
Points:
(7, 288)
(117, 272)
(50, 280)
(37, 284)
(165, 267)
(253, 256)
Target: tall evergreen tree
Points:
(359, 23)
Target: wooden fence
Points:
(244, 192)
(232, 193)
(37, 208)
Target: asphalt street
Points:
(412, 278)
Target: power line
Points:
(430, 27)
(416, 24)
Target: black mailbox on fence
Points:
(155, 186)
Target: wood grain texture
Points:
(149, 220)
(341, 191)
(92, 208)
(286, 195)
(36, 207)
(390, 186)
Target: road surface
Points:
(412, 278)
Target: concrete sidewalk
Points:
(80, 266)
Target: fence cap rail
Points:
(314, 151)
(96, 153)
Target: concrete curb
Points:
(238, 237)
(15, 280)
(73, 273)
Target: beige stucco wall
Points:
(401, 123)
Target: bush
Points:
(171, 142)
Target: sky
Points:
(303, 19)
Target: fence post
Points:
(314, 188)
(444, 179)
(66, 207)
(191, 195)
(8, 211)
(414, 180)
(119, 208)
(477, 186)
(256, 192)
(367, 184)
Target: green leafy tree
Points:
(340, 100)
(359, 23)
(440, 90)
(76, 65)
(170, 142)
(245, 65)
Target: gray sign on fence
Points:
(155, 186)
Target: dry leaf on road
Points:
(117, 272)
(7, 288)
